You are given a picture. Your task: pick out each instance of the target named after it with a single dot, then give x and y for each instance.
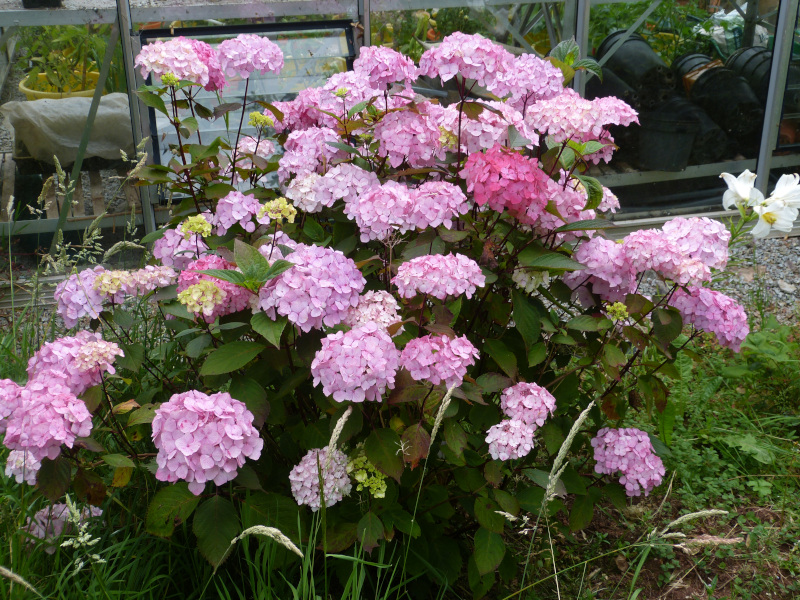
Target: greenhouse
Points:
(381, 299)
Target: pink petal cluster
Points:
(381, 210)
(471, 56)
(510, 439)
(186, 59)
(23, 466)
(630, 452)
(248, 148)
(700, 238)
(318, 291)
(714, 312)
(438, 359)
(307, 150)
(439, 276)
(383, 66)
(377, 307)
(609, 272)
(9, 400)
(76, 297)
(82, 359)
(485, 131)
(50, 523)
(174, 249)
(300, 113)
(507, 180)
(527, 402)
(150, 278)
(410, 137)
(436, 203)
(343, 182)
(303, 193)
(248, 52)
(304, 478)
(234, 208)
(530, 79)
(201, 437)
(236, 297)
(652, 249)
(356, 365)
(569, 202)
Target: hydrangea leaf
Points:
(170, 506)
(215, 524)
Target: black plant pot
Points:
(611, 85)
(730, 101)
(41, 3)
(754, 65)
(710, 142)
(664, 143)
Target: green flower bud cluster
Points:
(367, 476)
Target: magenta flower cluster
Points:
(408, 137)
(76, 297)
(235, 297)
(356, 365)
(438, 358)
(714, 312)
(629, 452)
(527, 406)
(246, 53)
(383, 66)
(343, 182)
(176, 249)
(510, 439)
(439, 276)
(234, 208)
(202, 438)
(304, 478)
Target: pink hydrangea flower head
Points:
(609, 272)
(82, 359)
(248, 52)
(302, 191)
(9, 400)
(488, 129)
(527, 402)
(510, 439)
(356, 365)
(113, 285)
(377, 307)
(701, 238)
(381, 210)
(248, 149)
(300, 113)
(438, 359)
(629, 452)
(236, 297)
(51, 522)
(234, 208)
(201, 438)
(507, 180)
(175, 249)
(304, 478)
(150, 278)
(714, 312)
(529, 80)
(568, 200)
(439, 276)
(436, 203)
(609, 203)
(22, 466)
(48, 416)
(307, 150)
(318, 291)
(411, 137)
(656, 250)
(345, 182)
(471, 56)
(186, 59)
(383, 66)
(76, 297)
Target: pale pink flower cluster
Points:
(439, 276)
(652, 249)
(438, 359)
(82, 359)
(23, 466)
(175, 249)
(356, 365)
(305, 476)
(377, 307)
(343, 182)
(383, 66)
(318, 291)
(249, 147)
(507, 180)
(248, 52)
(9, 401)
(307, 150)
(436, 203)
(149, 278)
(410, 137)
(510, 439)
(530, 79)
(51, 522)
(300, 113)
(527, 402)
(186, 59)
(714, 312)
(381, 210)
(234, 208)
(609, 272)
(113, 285)
(700, 238)
(485, 131)
(471, 56)
(236, 297)
(629, 452)
(302, 192)
(201, 438)
(569, 203)
(76, 297)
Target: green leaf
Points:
(215, 524)
(118, 460)
(472, 110)
(357, 108)
(171, 505)
(614, 356)
(196, 346)
(416, 441)
(454, 436)
(748, 444)
(225, 108)
(537, 354)
(253, 265)
(142, 415)
(153, 235)
(370, 531)
(153, 101)
(526, 318)
(345, 147)
(133, 358)
(313, 230)
(667, 324)
(53, 478)
(230, 357)
(504, 358)
(382, 448)
(489, 550)
(566, 51)
(216, 191)
(274, 510)
(536, 257)
(594, 193)
(486, 514)
(269, 329)
(583, 323)
(278, 267)
(228, 275)
(582, 512)
(254, 396)
(189, 127)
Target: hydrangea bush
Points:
(402, 337)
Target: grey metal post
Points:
(583, 12)
(781, 54)
(365, 22)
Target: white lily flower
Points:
(787, 191)
(741, 190)
(773, 215)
